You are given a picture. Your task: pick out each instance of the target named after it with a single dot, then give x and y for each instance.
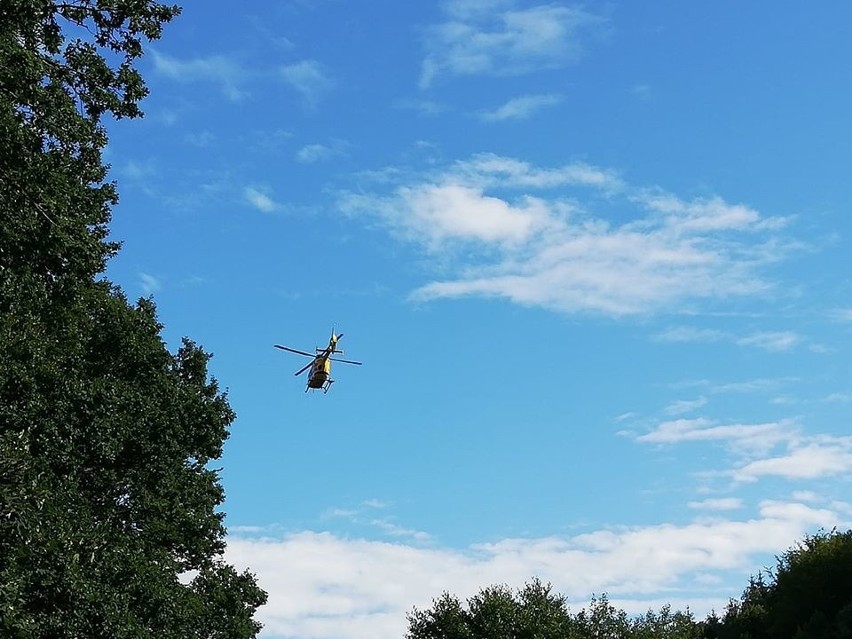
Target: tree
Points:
(536, 612)
(807, 596)
(813, 587)
(666, 624)
(107, 500)
(602, 620)
(496, 612)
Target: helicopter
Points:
(320, 375)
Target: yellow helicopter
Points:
(320, 375)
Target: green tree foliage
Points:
(536, 612)
(497, 612)
(56, 83)
(602, 620)
(108, 507)
(666, 624)
(807, 596)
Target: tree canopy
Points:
(109, 511)
(807, 596)
(536, 612)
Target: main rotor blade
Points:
(345, 361)
(302, 370)
(293, 350)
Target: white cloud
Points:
(308, 78)
(324, 586)
(137, 170)
(615, 273)
(364, 515)
(249, 530)
(806, 495)
(471, 9)
(754, 438)
(529, 238)
(684, 406)
(375, 503)
(346, 513)
(259, 200)
(218, 69)
(202, 139)
(842, 507)
(395, 530)
(838, 398)
(756, 446)
(435, 209)
(724, 503)
(492, 38)
(843, 314)
(312, 153)
(521, 108)
(712, 214)
(690, 334)
(490, 170)
(820, 457)
(758, 385)
(149, 283)
(642, 91)
(424, 107)
(772, 340)
(168, 117)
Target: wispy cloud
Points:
(770, 449)
(312, 153)
(642, 91)
(682, 406)
(309, 79)
(364, 515)
(838, 398)
(488, 170)
(756, 385)
(219, 69)
(842, 314)
(711, 214)
(772, 340)
(395, 530)
(723, 503)
(201, 139)
(149, 283)
(424, 107)
(754, 438)
(690, 334)
(375, 503)
(476, 9)
(323, 586)
(816, 457)
(529, 235)
(806, 495)
(521, 108)
(139, 170)
(259, 199)
(494, 38)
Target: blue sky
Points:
(592, 258)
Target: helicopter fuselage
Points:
(320, 376)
